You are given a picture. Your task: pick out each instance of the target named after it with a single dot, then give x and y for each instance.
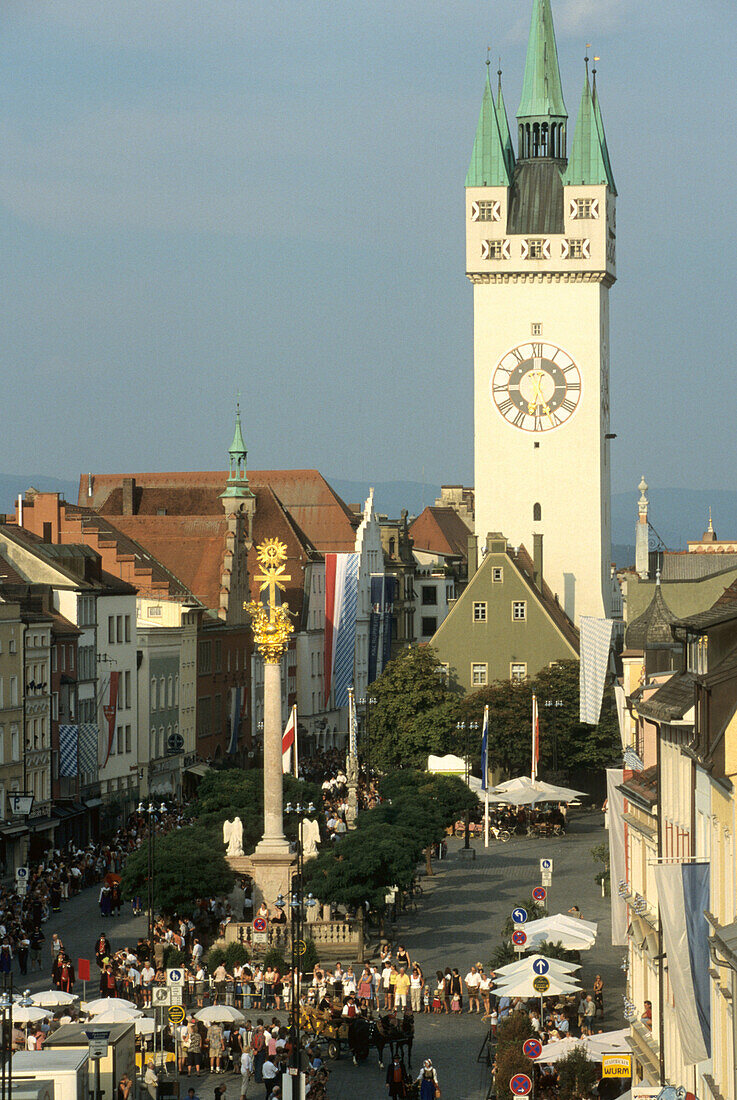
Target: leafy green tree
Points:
(187, 866)
(363, 865)
(414, 711)
(535, 911)
(577, 1075)
(512, 1032)
(440, 799)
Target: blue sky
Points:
(197, 197)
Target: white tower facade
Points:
(540, 248)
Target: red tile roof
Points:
(441, 531)
(313, 505)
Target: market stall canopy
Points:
(521, 985)
(93, 1007)
(53, 998)
(606, 1042)
(29, 1015)
(572, 933)
(115, 1014)
(522, 791)
(222, 1014)
(528, 964)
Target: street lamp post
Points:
(554, 730)
(367, 703)
(151, 810)
(297, 902)
(6, 1015)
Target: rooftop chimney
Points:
(89, 485)
(129, 487)
(537, 561)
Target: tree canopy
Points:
(186, 867)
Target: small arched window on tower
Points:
(537, 513)
(392, 547)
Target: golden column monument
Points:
(272, 626)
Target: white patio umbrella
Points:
(219, 1014)
(32, 1014)
(572, 933)
(520, 985)
(53, 998)
(145, 1026)
(93, 1007)
(605, 1042)
(559, 966)
(116, 1014)
(523, 791)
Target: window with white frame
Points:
(497, 574)
(586, 208)
(518, 672)
(479, 611)
(479, 673)
(111, 629)
(519, 610)
(489, 211)
(536, 328)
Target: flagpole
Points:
(485, 775)
(533, 769)
(296, 740)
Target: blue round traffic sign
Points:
(541, 966)
(539, 893)
(175, 977)
(519, 916)
(259, 924)
(519, 938)
(520, 1085)
(533, 1048)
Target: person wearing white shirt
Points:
(246, 1072)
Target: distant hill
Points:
(13, 484)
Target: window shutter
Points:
(573, 208)
(586, 249)
(564, 249)
(506, 253)
(486, 250)
(594, 208)
(496, 211)
(525, 250)
(474, 211)
(546, 250)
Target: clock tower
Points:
(540, 252)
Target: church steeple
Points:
(501, 114)
(588, 162)
(237, 486)
(542, 114)
(602, 134)
(489, 165)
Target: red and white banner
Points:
(289, 743)
(535, 738)
(110, 709)
(336, 567)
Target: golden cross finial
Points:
(272, 556)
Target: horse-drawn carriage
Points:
(330, 1031)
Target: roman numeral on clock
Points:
(505, 406)
(568, 405)
(519, 419)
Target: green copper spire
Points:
(501, 114)
(542, 93)
(602, 136)
(489, 166)
(237, 483)
(587, 163)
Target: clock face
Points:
(536, 387)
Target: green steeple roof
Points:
(542, 92)
(602, 136)
(587, 163)
(237, 483)
(238, 446)
(489, 166)
(501, 114)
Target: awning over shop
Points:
(197, 769)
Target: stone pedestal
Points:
(467, 853)
(272, 875)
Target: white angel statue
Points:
(233, 837)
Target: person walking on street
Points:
(428, 1081)
(599, 994)
(396, 1078)
(246, 1072)
(151, 1080)
(270, 1074)
(589, 1014)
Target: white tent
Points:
(572, 933)
(521, 985)
(527, 965)
(93, 1007)
(117, 1014)
(522, 791)
(606, 1042)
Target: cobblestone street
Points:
(457, 923)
